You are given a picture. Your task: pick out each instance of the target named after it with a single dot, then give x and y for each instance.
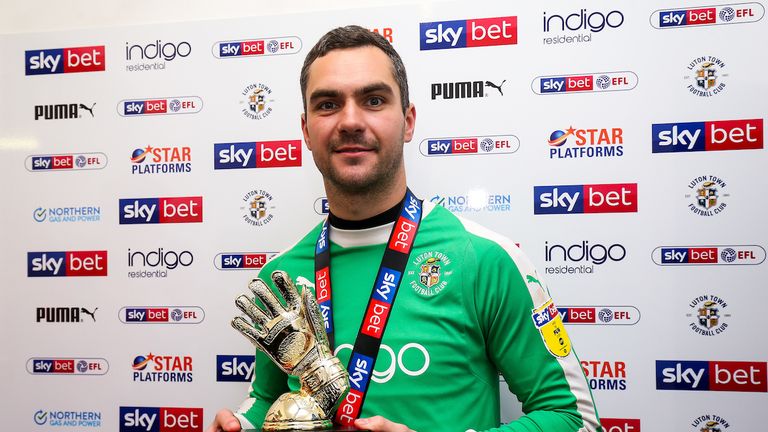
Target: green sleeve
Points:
(553, 390)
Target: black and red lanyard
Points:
(380, 304)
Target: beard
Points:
(359, 180)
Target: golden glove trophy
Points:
(294, 338)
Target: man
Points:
(469, 304)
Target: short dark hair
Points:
(354, 36)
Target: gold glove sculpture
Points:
(294, 338)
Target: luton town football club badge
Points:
(548, 321)
(257, 208)
(708, 315)
(707, 195)
(258, 101)
(430, 272)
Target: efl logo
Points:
(161, 210)
(620, 424)
(600, 315)
(707, 136)
(67, 366)
(234, 368)
(257, 47)
(597, 198)
(242, 260)
(711, 376)
(162, 315)
(738, 13)
(66, 162)
(468, 33)
(160, 106)
(153, 419)
(475, 145)
(71, 263)
(709, 255)
(65, 60)
(265, 154)
(585, 83)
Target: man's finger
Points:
(286, 287)
(262, 291)
(380, 424)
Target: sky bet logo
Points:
(474, 145)
(162, 315)
(65, 60)
(66, 162)
(711, 376)
(72, 263)
(160, 106)
(597, 198)
(257, 47)
(153, 419)
(67, 366)
(585, 83)
(709, 255)
(468, 33)
(265, 154)
(233, 368)
(161, 210)
(707, 136)
(242, 261)
(738, 13)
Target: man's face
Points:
(354, 124)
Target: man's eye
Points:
(327, 105)
(375, 101)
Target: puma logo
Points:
(531, 279)
(92, 314)
(497, 87)
(90, 110)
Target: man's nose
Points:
(351, 118)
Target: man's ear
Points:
(410, 123)
(304, 130)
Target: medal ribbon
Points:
(383, 294)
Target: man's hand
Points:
(224, 421)
(380, 424)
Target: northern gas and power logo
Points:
(737, 13)
(242, 260)
(708, 255)
(161, 315)
(65, 162)
(281, 45)
(161, 210)
(160, 419)
(160, 106)
(739, 376)
(468, 33)
(707, 136)
(69, 263)
(595, 198)
(64, 60)
(260, 154)
(237, 368)
(69, 419)
(472, 145)
(67, 366)
(584, 83)
(67, 214)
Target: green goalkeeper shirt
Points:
(470, 306)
